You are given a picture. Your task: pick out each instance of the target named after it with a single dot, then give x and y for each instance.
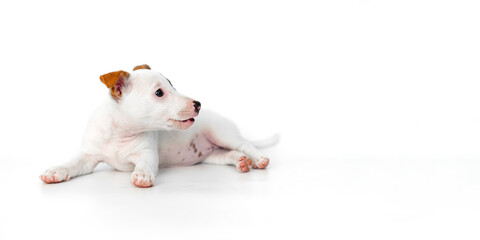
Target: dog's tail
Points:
(268, 142)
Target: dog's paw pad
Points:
(243, 164)
(262, 163)
(55, 175)
(142, 179)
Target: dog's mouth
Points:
(183, 124)
(186, 120)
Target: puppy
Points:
(146, 124)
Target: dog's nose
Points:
(197, 106)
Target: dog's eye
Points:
(159, 93)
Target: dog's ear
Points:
(115, 81)
(144, 66)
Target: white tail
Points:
(268, 142)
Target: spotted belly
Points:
(186, 153)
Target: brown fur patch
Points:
(115, 81)
(144, 66)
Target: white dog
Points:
(136, 130)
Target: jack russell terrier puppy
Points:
(143, 126)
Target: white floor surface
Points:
(295, 198)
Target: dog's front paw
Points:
(142, 179)
(262, 163)
(243, 164)
(55, 175)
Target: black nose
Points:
(197, 106)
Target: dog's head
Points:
(149, 100)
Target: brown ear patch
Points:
(144, 66)
(115, 81)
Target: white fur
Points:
(139, 133)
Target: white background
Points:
(376, 103)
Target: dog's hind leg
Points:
(230, 157)
(80, 165)
(259, 160)
(226, 135)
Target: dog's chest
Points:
(185, 151)
(121, 153)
